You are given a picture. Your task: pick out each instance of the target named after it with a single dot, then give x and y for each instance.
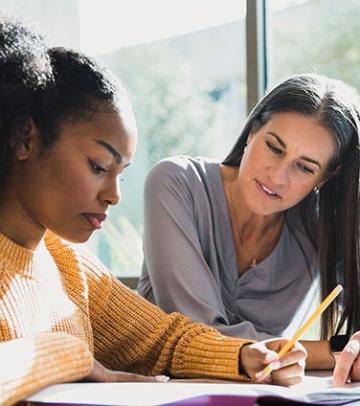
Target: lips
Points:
(95, 219)
(268, 191)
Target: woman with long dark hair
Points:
(259, 234)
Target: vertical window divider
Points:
(256, 51)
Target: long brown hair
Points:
(329, 216)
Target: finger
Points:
(355, 371)
(264, 374)
(162, 378)
(276, 344)
(158, 378)
(269, 357)
(265, 352)
(252, 358)
(293, 357)
(345, 362)
(296, 380)
(290, 375)
(130, 377)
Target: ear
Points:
(24, 140)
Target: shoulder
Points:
(179, 171)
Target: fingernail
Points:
(261, 375)
(162, 378)
(270, 356)
(275, 365)
(267, 379)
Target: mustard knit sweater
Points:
(59, 308)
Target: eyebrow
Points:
(117, 156)
(282, 143)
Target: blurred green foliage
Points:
(319, 36)
(180, 111)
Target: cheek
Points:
(253, 160)
(69, 184)
(298, 190)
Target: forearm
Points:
(33, 363)
(143, 339)
(319, 355)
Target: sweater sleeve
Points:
(33, 363)
(131, 334)
(176, 275)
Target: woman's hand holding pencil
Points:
(287, 370)
(286, 363)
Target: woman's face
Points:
(69, 188)
(283, 162)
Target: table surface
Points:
(135, 393)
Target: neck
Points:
(254, 226)
(17, 225)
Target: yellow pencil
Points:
(304, 328)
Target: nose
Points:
(111, 194)
(278, 173)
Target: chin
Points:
(79, 239)
(75, 238)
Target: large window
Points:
(189, 95)
(183, 63)
(185, 66)
(319, 36)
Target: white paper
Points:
(313, 388)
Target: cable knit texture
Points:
(59, 308)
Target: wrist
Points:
(319, 355)
(241, 367)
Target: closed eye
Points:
(305, 168)
(273, 148)
(97, 169)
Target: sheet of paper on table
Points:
(314, 389)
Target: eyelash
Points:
(305, 169)
(97, 169)
(278, 151)
(274, 149)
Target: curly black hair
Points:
(81, 88)
(25, 70)
(51, 86)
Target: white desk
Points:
(161, 393)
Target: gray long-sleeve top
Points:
(190, 260)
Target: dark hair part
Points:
(24, 72)
(82, 87)
(331, 216)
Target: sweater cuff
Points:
(210, 355)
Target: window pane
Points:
(314, 36)
(183, 63)
(189, 95)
